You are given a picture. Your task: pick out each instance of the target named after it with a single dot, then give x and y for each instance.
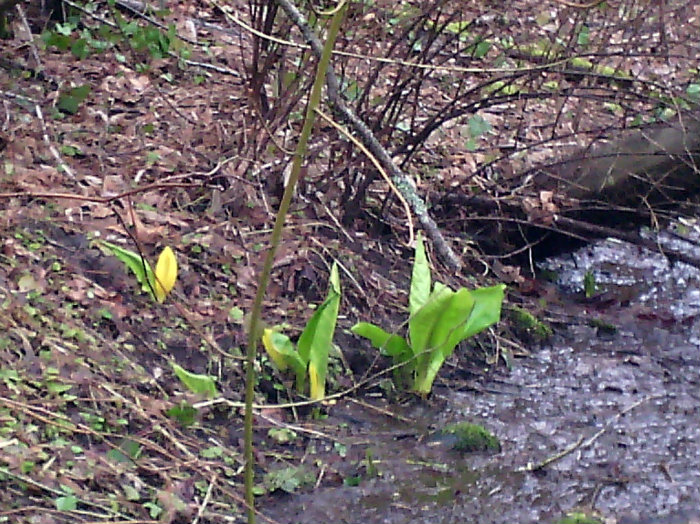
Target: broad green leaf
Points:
(487, 309)
(446, 334)
(315, 342)
(420, 278)
(141, 268)
(200, 384)
(390, 345)
(307, 336)
(438, 288)
(423, 321)
(277, 345)
(165, 274)
(422, 324)
(69, 101)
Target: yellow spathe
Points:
(166, 273)
(272, 350)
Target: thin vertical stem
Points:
(253, 334)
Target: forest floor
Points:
(95, 426)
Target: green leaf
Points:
(69, 503)
(457, 27)
(211, 452)
(200, 384)
(478, 126)
(422, 323)
(482, 48)
(127, 452)
(447, 333)
(287, 479)
(316, 341)
(583, 36)
(183, 413)
(69, 101)
(283, 353)
(444, 338)
(236, 314)
(420, 278)
(487, 309)
(141, 268)
(282, 435)
(589, 284)
(388, 344)
(693, 91)
(421, 327)
(57, 387)
(80, 49)
(154, 510)
(277, 346)
(131, 493)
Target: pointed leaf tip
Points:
(165, 273)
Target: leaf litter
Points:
(85, 358)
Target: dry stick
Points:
(97, 199)
(207, 497)
(402, 182)
(61, 164)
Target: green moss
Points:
(471, 437)
(527, 321)
(602, 326)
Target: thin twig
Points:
(204, 503)
(393, 61)
(379, 167)
(61, 164)
(97, 199)
(581, 442)
(404, 184)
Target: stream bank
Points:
(611, 415)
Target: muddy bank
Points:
(611, 417)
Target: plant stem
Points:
(253, 334)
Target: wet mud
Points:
(599, 421)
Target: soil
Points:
(599, 421)
(602, 420)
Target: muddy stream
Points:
(616, 413)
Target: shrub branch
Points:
(402, 182)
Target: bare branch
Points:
(402, 182)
